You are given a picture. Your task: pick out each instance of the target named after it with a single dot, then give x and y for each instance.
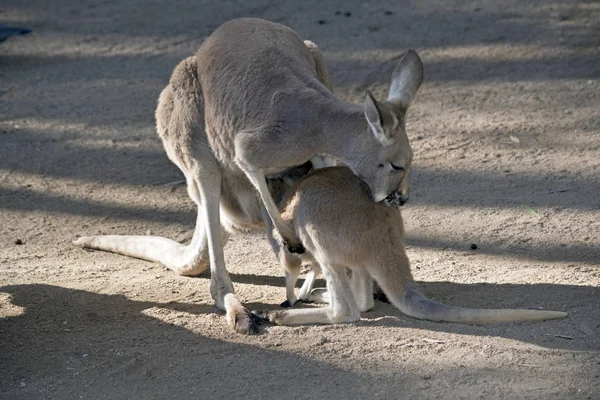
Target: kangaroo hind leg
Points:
(342, 307)
(362, 289)
(209, 182)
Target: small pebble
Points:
(321, 22)
(347, 14)
(388, 12)
(18, 241)
(473, 246)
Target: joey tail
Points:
(413, 303)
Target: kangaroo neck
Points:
(343, 125)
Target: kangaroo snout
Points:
(403, 199)
(396, 199)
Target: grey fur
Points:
(253, 102)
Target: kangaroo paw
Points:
(289, 240)
(286, 304)
(296, 248)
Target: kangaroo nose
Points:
(402, 199)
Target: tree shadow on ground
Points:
(24, 199)
(133, 76)
(569, 252)
(107, 338)
(27, 200)
(108, 348)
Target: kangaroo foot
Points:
(240, 319)
(244, 322)
(266, 316)
(319, 295)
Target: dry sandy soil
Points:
(508, 116)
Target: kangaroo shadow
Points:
(68, 343)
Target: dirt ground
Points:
(508, 118)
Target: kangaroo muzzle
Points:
(396, 199)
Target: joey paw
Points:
(296, 248)
(286, 304)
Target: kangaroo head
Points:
(385, 161)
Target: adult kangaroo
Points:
(253, 102)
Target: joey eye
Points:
(396, 168)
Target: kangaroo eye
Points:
(396, 168)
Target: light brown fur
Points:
(332, 213)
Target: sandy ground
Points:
(508, 116)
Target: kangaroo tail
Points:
(414, 303)
(171, 254)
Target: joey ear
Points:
(373, 113)
(406, 79)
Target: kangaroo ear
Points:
(406, 79)
(374, 115)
